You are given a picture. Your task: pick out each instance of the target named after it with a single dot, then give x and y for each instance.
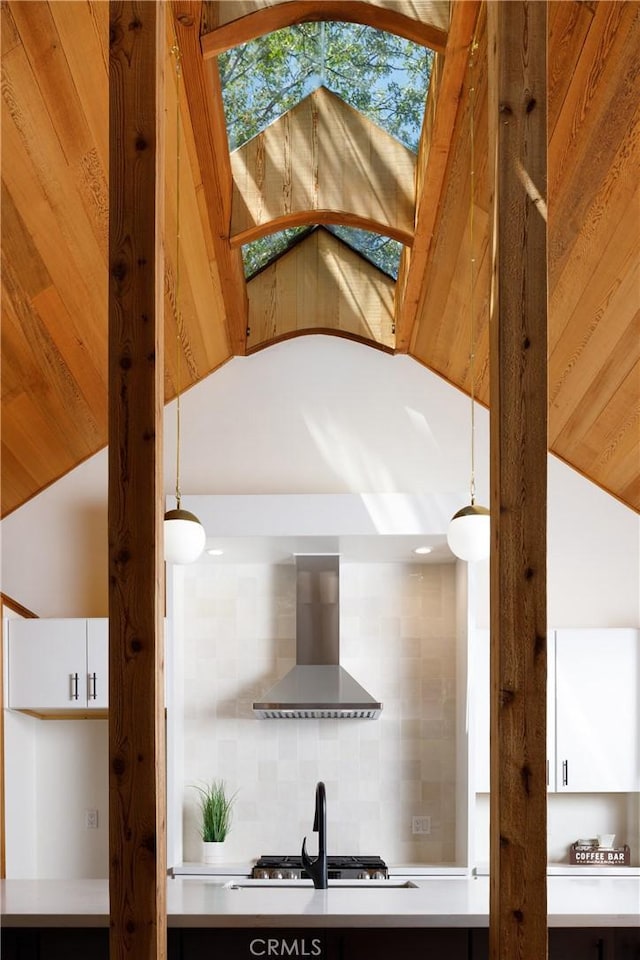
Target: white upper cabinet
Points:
(98, 662)
(57, 665)
(598, 720)
(593, 715)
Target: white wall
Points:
(324, 415)
(313, 415)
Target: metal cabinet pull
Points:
(547, 772)
(565, 773)
(600, 946)
(73, 677)
(93, 691)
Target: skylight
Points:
(384, 76)
(383, 252)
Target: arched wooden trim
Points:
(327, 331)
(310, 217)
(322, 156)
(268, 19)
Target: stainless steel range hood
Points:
(317, 687)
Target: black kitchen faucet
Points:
(317, 869)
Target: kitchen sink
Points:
(251, 884)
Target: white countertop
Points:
(583, 901)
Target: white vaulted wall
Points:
(322, 415)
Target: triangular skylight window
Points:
(383, 252)
(384, 76)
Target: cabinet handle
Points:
(73, 677)
(547, 772)
(600, 946)
(565, 773)
(93, 692)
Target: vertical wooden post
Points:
(137, 804)
(517, 38)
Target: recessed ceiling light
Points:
(215, 552)
(421, 550)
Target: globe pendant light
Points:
(469, 532)
(184, 535)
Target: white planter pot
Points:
(213, 851)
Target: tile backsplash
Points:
(397, 638)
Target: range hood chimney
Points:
(317, 687)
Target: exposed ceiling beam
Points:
(433, 159)
(202, 87)
(268, 19)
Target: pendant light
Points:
(469, 534)
(184, 535)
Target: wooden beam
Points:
(271, 18)
(433, 160)
(204, 96)
(137, 796)
(518, 371)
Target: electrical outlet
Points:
(91, 819)
(421, 825)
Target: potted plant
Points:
(215, 819)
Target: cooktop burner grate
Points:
(358, 867)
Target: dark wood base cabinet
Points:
(256, 944)
(348, 944)
(575, 943)
(353, 944)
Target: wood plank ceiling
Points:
(55, 214)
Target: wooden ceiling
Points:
(55, 219)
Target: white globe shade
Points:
(469, 533)
(184, 537)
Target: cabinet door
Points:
(481, 693)
(97, 676)
(597, 716)
(47, 664)
(580, 944)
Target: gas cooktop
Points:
(339, 868)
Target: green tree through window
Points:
(383, 76)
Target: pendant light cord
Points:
(175, 50)
(472, 183)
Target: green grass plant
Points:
(215, 811)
